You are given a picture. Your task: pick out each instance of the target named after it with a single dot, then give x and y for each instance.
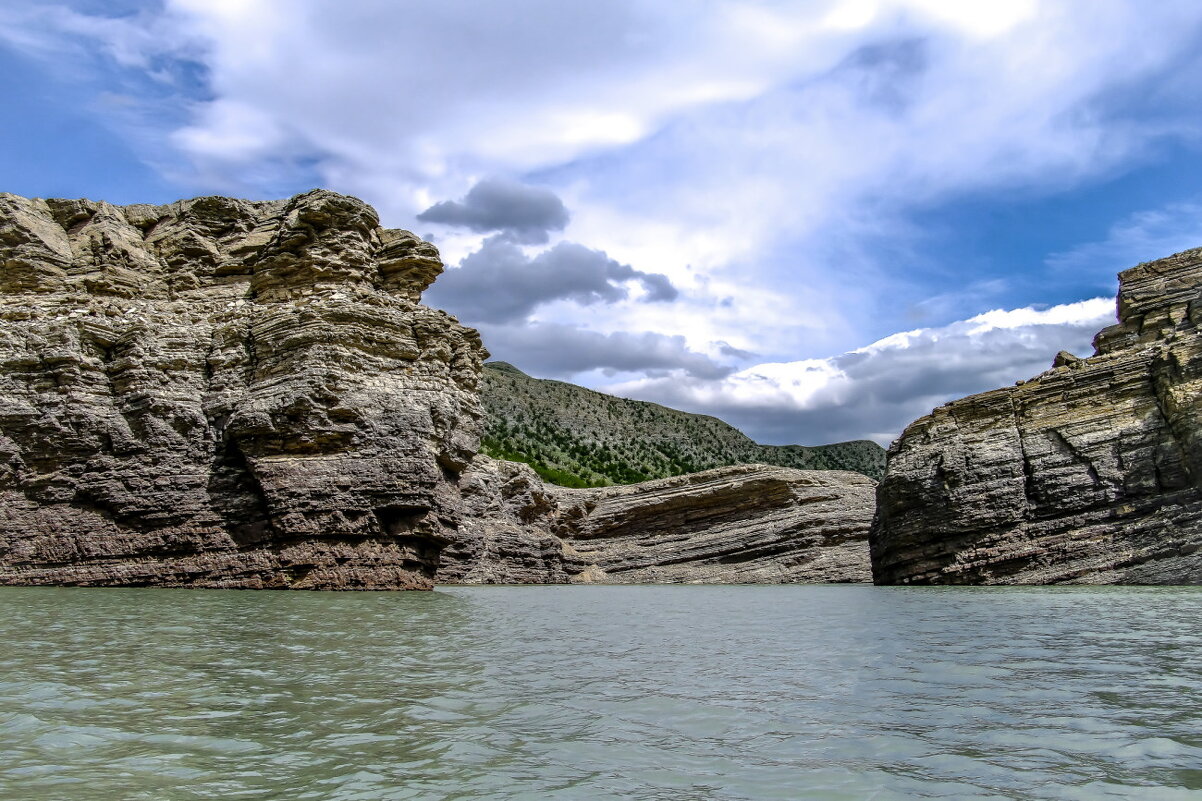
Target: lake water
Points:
(674, 693)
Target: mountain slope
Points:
(577, 437)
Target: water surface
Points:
(602, 692)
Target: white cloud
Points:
(440, 92)
(777, 191)
(436, 94)
(979, 18)
(234, 131)
(874, 391)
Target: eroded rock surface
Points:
(224, 393)
(741, 524)
(1089, 473)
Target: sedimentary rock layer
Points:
(742, 524)
(224, 393)
(1089, 473)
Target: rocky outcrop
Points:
(222, 393)
(1088, 473)
(742, 524)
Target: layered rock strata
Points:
(222, 393)
(1089, 473)
(742, 524)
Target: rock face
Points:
(222, 393)
(742, 524)
(1089, 473)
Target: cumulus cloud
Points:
(525, 213)
(552, 350)
(479, 90)
(873, 392)
(499, 283)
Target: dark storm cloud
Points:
(560, 351)
(499, 283)
(524, 213)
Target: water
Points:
(606, 692)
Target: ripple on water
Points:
(606, 692)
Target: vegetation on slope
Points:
(576, 437)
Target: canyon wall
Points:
(1089, 473)
(222, 393)
(746, 524)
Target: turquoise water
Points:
(602, 692)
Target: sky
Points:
(815, 220)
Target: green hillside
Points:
(580, 438)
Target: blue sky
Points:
(816, 220)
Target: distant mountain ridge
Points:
(578, 437)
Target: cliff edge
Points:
(223, 393)
(1089, 473)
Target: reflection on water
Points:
(602, 692)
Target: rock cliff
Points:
(1089, 473)
(222, 393)
(741, 524)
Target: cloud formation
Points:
(525, 214)
(499, 283)
(553, 350)
(876, 390)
